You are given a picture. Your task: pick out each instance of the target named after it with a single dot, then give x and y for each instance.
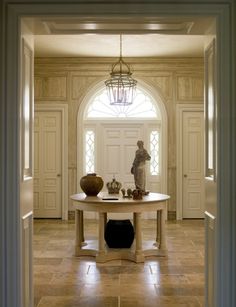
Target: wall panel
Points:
(51, 87)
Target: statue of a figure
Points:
(138, 167)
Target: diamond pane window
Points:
(154, 150)
(89, 151)
(143, 106)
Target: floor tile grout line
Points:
(118, 301)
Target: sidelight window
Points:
(89, 151)
(154, 152)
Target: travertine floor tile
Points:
(73, 279)
(67, 301)
(179, 290)
(63, 280)
(159, 302)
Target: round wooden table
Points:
(105, 203)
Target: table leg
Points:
(101, 240)
(81, 223)
(158, 228)
(138, 237)
(134, 222)
(78, 232)
(105, 220)
(163, 230)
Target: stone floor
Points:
(62, 280)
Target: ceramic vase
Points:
(91, 184)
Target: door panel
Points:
(119, 145)
(48, 151)
(193, 165)
(26, 152)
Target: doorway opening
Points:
(161, 81)
(13, 48)
(50, 161)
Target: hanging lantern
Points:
(121, 87)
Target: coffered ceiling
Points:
(142, 37)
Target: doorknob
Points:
(185, 175)
(58, 175)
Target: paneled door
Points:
(117, 155)
(47, 164)
(118, 151)
(193, 164)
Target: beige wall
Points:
(68, 80)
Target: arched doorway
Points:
(107, 137)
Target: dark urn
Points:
(91, 184)
(119, 233)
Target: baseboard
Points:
(71, 215)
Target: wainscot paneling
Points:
(80, 84)
(189, 88)
(51, 87)
(164, 83)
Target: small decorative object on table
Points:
(113, 186)
(91, 184)
(123, 192)
(138, 168)
(129, 193)
(137, 194)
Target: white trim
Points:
(27, 173)
(27, 261)
(210, 77)
(63, 108)
(210, 237)
(160, 101)
(180, 109)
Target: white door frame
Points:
(159, 100)
(224, 13)
(180, 109)
(63, 109)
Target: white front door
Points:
(193, 164)
(48, 164)
(117, 152)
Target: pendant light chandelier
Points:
(121, 87)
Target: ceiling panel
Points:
(92, 45)
(99, 37)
